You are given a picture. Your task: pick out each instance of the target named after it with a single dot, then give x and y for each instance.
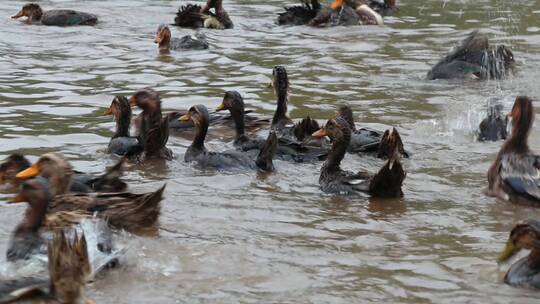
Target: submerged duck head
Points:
(163, 36)
(391, 144)
(525, 235)
(69, 267)
(55, 168)
(12, 165)
(146, 99)
(31, 10)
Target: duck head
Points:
(55, 168)
(525, 235)
(233, 101)
(345, 112)
(146, 99)
(121, 111)
(215, 4)
(69, 267)
(522, 118)
(12, 165)
(339, 132)
(163, 36)
(32, 11)
(198, 114)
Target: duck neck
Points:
(534, 259)
(123, 122)
(238, 117)
(200, 135)
(281, 110)
(33, 218)
(337, 153)
(36, 15)
(165, 44)
(518, 140)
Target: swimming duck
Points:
(526, 271)
(188, 42)
(35, 14)
(195, 16)
(365, 140)
(154, 128)
(62, 179)
(386, 183)
(69, 269)
(198, 153)
(493, 127)
(299, 14)
(475, 59)
(285, 127)
(121, 143)
(12, 165)
(347, 12)
(286, 150)
(124, 210)
(515, 174)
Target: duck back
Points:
(67, 18)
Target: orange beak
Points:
(337, 4)
(18, 15)
(132, 101)
(320, 133)
(28, 173)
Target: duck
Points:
(346, 13)
(493, 127)
(122, 143)
(385, 8)
(475, 59)
(286, 150)
(299, 14)
(282, 124)
(197, 152)
(154, 128)
(35, 15)
(386, 183)
(514, 176)
(123, 210)
(12, 165)
(68, 269)
(195, 16)
(526, 271)
(166, 43)
(366, 140)
(59, 173)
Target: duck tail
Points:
(189, 16)
(110, 181)
(391, 142)
(389, 180)
(305, 128)
(266, 155)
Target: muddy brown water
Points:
(242, 237)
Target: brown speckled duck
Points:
(34, 14)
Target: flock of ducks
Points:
(59, 198)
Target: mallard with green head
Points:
(526, 271)
(515, 174)
(475, 58)
(196, 16)
(35, 15)
(198, 153)
(385, 183)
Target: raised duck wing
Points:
(189, 16)
(521, 174)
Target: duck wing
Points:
(521, 174)
(67, 18)
(189, 16)
(299, 14)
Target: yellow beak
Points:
(221, 107)
(28, 173)
(509, 250)
(185, 117)
(320, 133)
